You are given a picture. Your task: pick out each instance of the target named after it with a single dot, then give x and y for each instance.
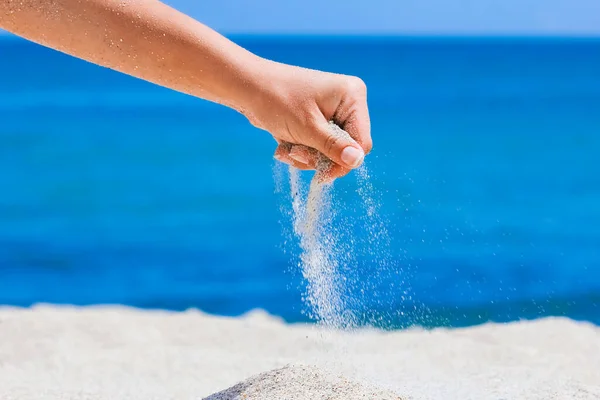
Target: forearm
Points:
(142, 38)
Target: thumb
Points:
(337, 145)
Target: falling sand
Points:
(320, 256)
(318, 260)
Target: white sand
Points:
(302, 382)
(120, 353)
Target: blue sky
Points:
(438, 17)
(546, 17)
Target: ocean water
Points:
(485, 164)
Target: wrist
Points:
(256, 82)
(262, 94)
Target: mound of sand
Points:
(301, 382)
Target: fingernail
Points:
(300, 158)
(352, 156)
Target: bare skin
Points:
(152, 41)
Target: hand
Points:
(295, 105)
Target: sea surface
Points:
(485, 166)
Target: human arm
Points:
(152, 41)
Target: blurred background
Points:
(486, 124)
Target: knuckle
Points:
(356, 85)
(367, 145)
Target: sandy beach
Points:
(122, 353)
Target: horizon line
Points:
(389, 36)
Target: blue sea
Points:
(485, 165)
